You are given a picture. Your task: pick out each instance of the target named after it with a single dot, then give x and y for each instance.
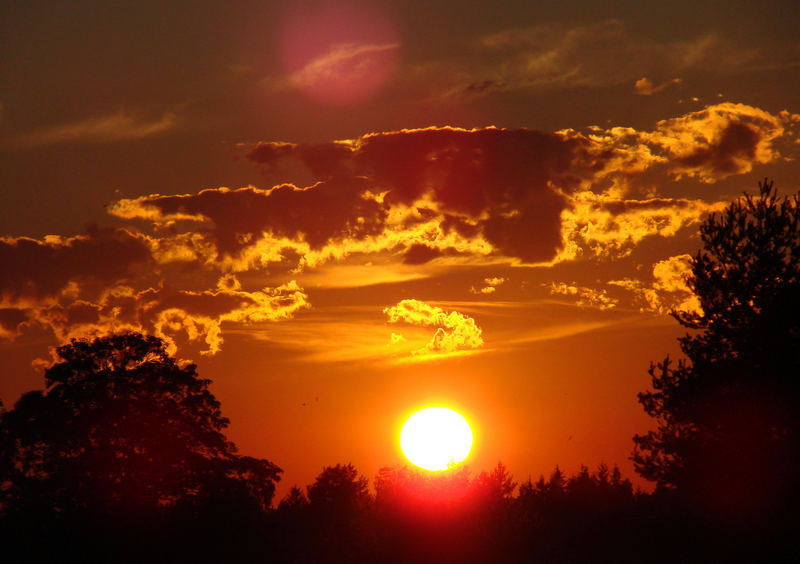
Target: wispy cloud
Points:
(120, 126)
(645, 87)
(350, 61)
(601, 54)
(584, 296)
(344, 73)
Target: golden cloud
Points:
(645, 87)
(453, 195)
(490, 287)
(584, 296)
(668, 291)
(199, 315)
(606, 225)
(455, 332)
(109, 281)
(398, 205)
(711, 144)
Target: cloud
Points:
(10, 320)
(360, 275)
(446, 195)
(335, 52)
(718, 141)
(43, 269)
(710, 144)
(78, 319)
(645, 87)
(490, 287)
(383, 208)
(668, 291)
(120, 126)
(109, 280)
(200, 314)
(584, 296)
(419, 193)
(347, 72)
(455, 332)
(608, 226)
(191, 318)
(602, 54)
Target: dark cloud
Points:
(108, 281)
(736, 144)
(324, 160)
(420, 254)
(43, 268)
(10, 320)
(421, 193)
(326, 210)
(710, 144)
(509, 182)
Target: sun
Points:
(436, 438)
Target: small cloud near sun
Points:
(455, 332)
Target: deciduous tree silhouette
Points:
(727, 432)
(338, 509)
(339, 487)
(123, 428)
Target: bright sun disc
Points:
(436, 438)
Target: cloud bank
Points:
(390, 206)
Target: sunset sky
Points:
(347, 211)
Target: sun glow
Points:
(436, 438)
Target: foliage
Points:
(421, 516)
(729, 409)
(124, 428)
(341, 487)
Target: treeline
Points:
(417, 516)
(408, 515)
(589, 516)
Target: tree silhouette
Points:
(727, 438)
(339, 487)
(338, 508)
(495, 486)
(123, 428)
(295, 501)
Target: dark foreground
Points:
(416, 517)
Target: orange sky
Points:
(346, 211)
